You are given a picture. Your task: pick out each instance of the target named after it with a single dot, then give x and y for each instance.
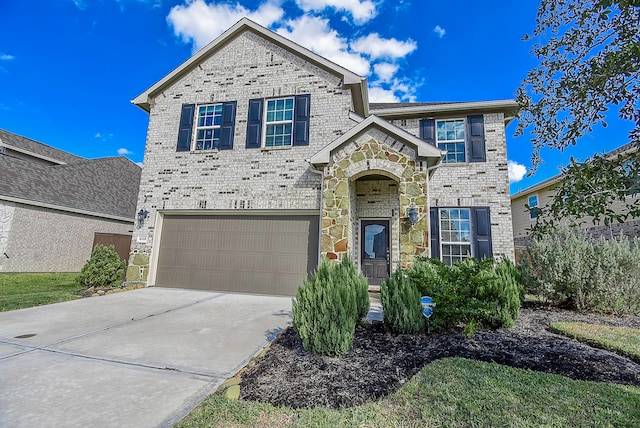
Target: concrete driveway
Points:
(142, 358)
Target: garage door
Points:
(264, 254)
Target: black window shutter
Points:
(301, 118)
(475, 138)
(434, 233)
(228, 125)
(482, 231)
(428, 131)
(254, 123)
(186, 128)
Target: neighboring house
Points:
(261, 156)
(525, 204)
(55, 206)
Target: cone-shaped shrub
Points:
(401, 304)
(346, 272)
(103, 269)
(324, 313)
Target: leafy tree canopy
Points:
(589, 53)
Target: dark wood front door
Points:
(374, 238)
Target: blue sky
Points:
(69, 68)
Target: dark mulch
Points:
(379, 363)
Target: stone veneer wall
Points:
(7, 210)
(477, 184)
(47, 240)
(240, 179)
(373, 153)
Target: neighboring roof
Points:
(412, 110)
(629, 147)
(357, 83)
(35, 149)
(106, 187)
(425, 150)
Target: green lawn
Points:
(622, 340)
(453, 392)
(24, 290)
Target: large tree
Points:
(589, 53)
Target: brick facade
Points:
(45, 240)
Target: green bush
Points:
(471, 293)
(325, 311)
(346, 272)
(401, 304)
(103, 269)
(568, 269)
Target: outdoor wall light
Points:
(142, 214)
(413, 216)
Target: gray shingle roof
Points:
(35, 147)
(104, 186)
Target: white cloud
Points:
(103, 137)
(516, 171)
(200, 23)
(381, 95)
(122, 151)
(361, 10)
(377, 47)
(315, 33)
(80, 4)
(6, 57)
(385, 71)
(439, 31)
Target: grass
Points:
(621, 340)
(24, 290)
(452, 392)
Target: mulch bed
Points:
(379, 362)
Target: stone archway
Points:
(374, 154)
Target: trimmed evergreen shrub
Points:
(401, 304)
(346, 272)
(568, 269)
(324, 312)
(471, 293)
(103, 269)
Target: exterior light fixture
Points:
(142, 215)
(413, 216)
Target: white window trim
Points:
(264, 123)
(443, 242)
(194, 139)
(464, 140)
(530, 210)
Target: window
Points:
(279, 122)
(533, 206)
(208, 126)
(450, 137)
(455, 234)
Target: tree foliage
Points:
(589, 53)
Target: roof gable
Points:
(358, 84)
(35, 149)
(424, 149)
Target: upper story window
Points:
(279, 122)
(208, 126)
(450, 136)
(533, 206)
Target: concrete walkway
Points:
(142, 358)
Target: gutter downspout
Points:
(321, 174)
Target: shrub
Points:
(471, 293)
(324, 312)
(346, 272)
(401, 304)
(103, 269)
(567, 269)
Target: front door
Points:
(374, 238)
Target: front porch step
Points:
(374, 289)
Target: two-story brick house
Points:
(261, 156)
